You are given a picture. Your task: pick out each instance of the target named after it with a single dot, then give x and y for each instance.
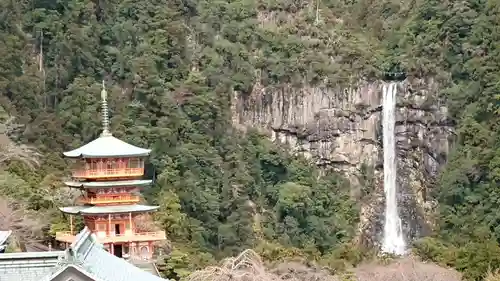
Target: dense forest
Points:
(171, 68)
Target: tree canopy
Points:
(171, 68)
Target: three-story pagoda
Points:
(109, 171)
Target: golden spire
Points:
(105, 117)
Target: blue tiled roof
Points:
(85, 256)
(72, 270)
(103, 265)
(27, 266)
(91, 256)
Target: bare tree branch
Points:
(9, 150)
(145, 223)
(248, 267)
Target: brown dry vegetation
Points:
(11, 150)
(406, 269)
(249, 267)
(145, 223)
(493, 276)
(24, 224)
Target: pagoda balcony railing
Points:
(108, 199)
(149, 233)
(68, 237)
(65, 236)
(108, 173)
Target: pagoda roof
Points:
(107, 146)
(107, 184)
(91, 210)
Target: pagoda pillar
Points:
(109, 225)
(130, 222)
(71, 224)
(150, 244)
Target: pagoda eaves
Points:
(107, 146)
(107, 184)
(94, 210)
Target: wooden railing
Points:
(129, 237)
(66, 236)
(108, 173)
(104, 199)
(63, 234)
(150, 233)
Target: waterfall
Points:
(393, 239)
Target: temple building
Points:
(113, 246)
(84, 260)
(109, 172)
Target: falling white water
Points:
(393, 240)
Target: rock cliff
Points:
(341, 129)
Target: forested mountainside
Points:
(171, 68)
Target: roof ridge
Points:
(79, 267)
(87, 251)
(30, 255)
(80, 239)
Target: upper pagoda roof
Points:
(106, 184)
(107, 145)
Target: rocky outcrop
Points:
(341, 129)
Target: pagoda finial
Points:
(105, 117)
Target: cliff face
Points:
(341, 129)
